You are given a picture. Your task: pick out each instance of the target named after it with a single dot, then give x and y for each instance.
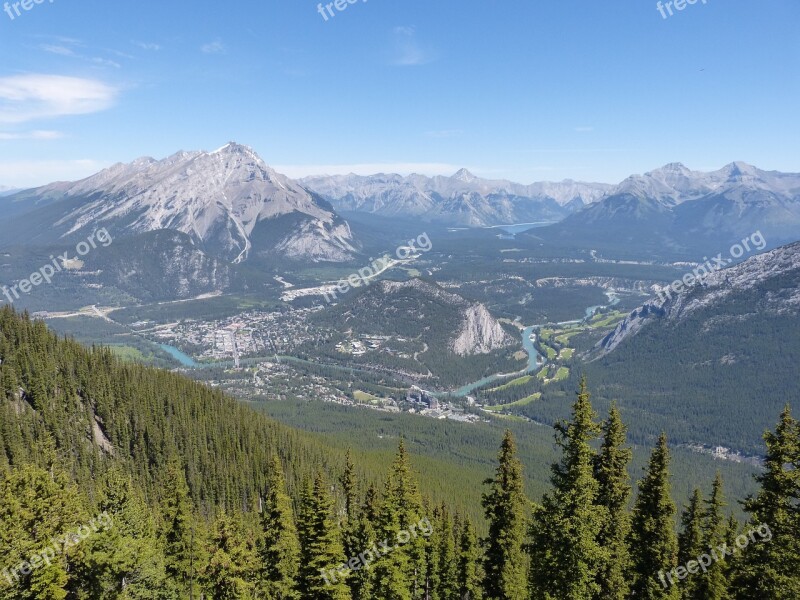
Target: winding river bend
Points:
(535, 360)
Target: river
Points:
(535, 360)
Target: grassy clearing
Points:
(561, 374)
(566, 353)
(513, 383)
(608, 320)
(128, 353)
(546, 334)
(517, 403)
(360, 396)
(564, 337)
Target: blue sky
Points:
(528, 90)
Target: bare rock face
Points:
(776, 273)
(225, 200)
(480, 333)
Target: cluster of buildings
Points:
(250, 334)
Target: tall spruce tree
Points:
(504, 506)
(770, 564)
(401, 573)
(124, 560)
(351, 524)
(181, 535)
(654, 545)
(322, 574)
(713, 583)
(469, 568)
(446, 587)
(361, 580)
(691, 543)
(279, 549)
(566, 556)
(231, 570)
(614, 491)
(36, 508)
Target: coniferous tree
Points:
(181, 535)
(614, 491)
(231, 570)
(566, 556)
(713, 584)
(432, 558)
(732, 562)
(446, 587)
(401, 573)
(322, 575)
(504, 506)
(126, 560)
(349, 488)
(37, 507)
(469, 576)
(769, 566)
(279, 549)
(361, 579)
(690, 543)
(654, 545)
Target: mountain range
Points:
(460, 200)
(230, 206)
(228, 201)
(676, 210)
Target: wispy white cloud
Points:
(147, 46)
(33, 97)
(408, 51)
(57, 49)
(28, 174)
(73, 48)
(215, 47)
(369, 169)
(106, 62)
(584, 129)
(39, 134)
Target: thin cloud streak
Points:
(38, 96)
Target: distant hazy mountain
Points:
(5, 190)
(462, 199)
(721, 352)
(674, 208)
(228, 201)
